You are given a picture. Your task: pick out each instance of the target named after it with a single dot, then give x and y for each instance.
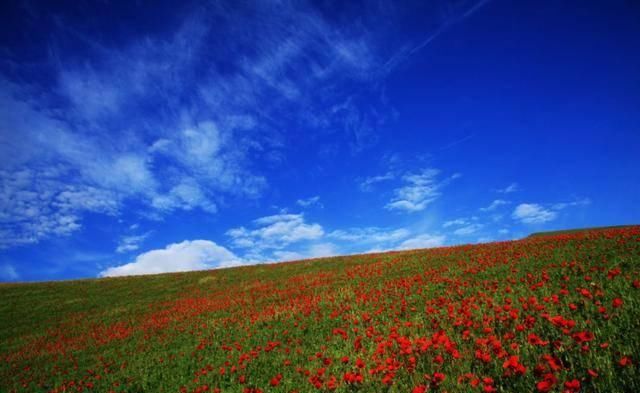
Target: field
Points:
(549, 313)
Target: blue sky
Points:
(160, 137)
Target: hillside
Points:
(559, 312)
(568, 231)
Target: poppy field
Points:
(556, 313)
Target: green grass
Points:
(406, 315)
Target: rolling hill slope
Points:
(547, 313)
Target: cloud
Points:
(513, 187)
(369, 235)
(8, 273)
(368, 183)
(494, 205)
(577, 202)
(532, 213)
(314, 251)
(422, 241)
(186, 195)
(456, 222)
(419, 191)
(468, 229)
(131, 243)
(36, 204)
(275, 232)
(177, 257)
(315, 200)
(179, 120)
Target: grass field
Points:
(550, 313)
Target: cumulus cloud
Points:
(532, 213)
(422, 241)
(419, 190)
(274, 232)
(177, 257)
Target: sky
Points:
(148, 137)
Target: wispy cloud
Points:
(131, 243)
(8, 273)
(468, 229)
(118, 120)
(172, 121)
(314, 251)
(311, 201)
(513, 187)
(494, 205)
(368, 183)
(577, 202)
(36, 204)
(456, 222)
(419, 190)
(369, 235)
(422, 241)
(532, 213)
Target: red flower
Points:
(625, 361)
(275, 381)
(547, 383)
(419, 389)
(572, 386)
(438, 378)
(582, 337)
(513, 365)
(617, 302)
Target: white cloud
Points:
(494, 205)
(314, 251)
(186, 195)
(177, 257)
(175, 121)
(315, 200)
(8, 273)
(422, 241)
(419, 191)
(369, 235)
(368, 183)
(513, 187)
(456, 222)
(35, 204)
(275, 232)
(468, 229)
(577, 202)
(532, 213)
(131, 243)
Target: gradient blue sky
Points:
(160, 137)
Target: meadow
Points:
(549, 313)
